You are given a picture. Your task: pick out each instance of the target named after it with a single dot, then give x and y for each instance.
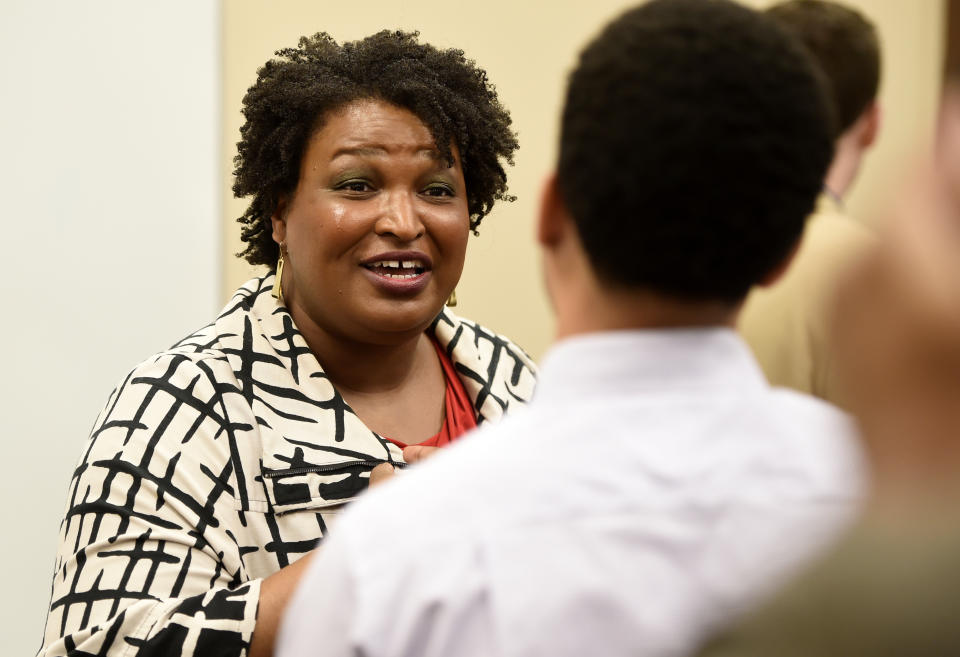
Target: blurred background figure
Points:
(892, 587)
(786, 324)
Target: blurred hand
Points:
(898, 313)
(381, 473)
(412, 454)
(416, 453)
(897, 327)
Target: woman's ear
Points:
(279, 221)
(553, 217)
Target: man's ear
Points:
(279, 221)
(553, 218)
(777, 272)
(871, 124)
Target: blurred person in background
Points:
(892, 586)
(219, 462)
(787, 324)
(656, 484)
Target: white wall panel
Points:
(110, 179)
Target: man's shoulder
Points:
(522, 470)
(795, 404)
(816, 440)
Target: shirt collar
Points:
(662, 361)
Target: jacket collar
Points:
(306, 427)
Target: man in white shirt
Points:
(657, 484)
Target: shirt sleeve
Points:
(147, 564)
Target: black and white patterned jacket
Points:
(214, 464)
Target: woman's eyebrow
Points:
(378, 150)
(367, 151)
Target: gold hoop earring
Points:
(452, 299)
(277, 288)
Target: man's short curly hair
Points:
(295, 92)
(694, 141)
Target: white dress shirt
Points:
(655, 486)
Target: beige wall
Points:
(526, 47)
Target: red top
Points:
(458, 415)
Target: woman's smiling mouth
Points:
(399, 272)
(402, 269)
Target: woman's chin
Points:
(398, 319)
(408, 322)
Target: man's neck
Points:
(618, 310)
(585, 302)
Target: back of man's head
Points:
(845, 45)
(694, 141)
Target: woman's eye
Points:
(438, 190)
(356, 186)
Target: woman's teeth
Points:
(401, 269)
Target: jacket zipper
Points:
(330, 467)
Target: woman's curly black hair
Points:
(295, 92)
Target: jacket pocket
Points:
(318, 486)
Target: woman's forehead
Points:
(373, 128)
(376, 124)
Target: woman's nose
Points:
(399, 217)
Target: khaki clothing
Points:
(787, 325)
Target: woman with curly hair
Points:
(218, 463)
